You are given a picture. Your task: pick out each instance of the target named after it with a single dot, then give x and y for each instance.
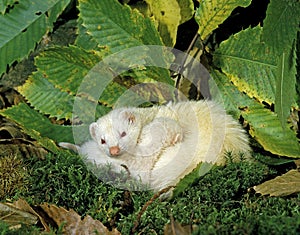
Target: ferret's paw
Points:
(70, 146)
(175, 135)
(178, 138)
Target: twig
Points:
(147, 204)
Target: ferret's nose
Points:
(114, 150)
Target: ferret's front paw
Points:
(177, 138)
(175, 135)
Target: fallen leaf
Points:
(21, 147)
(283, 185)
(73, 224)
(23, 205)
(15, 216)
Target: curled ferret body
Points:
(162, 144)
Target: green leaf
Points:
(273, 161)
(285, 85)
(281, 24)
(115, 26)
(265, 125)
(191, 178)
(4, 4)
(211, 13)
(107, 98)
(170, 14)
(228, 95)
(65, 67)
(24, 26)
(249, 64)
(84, 40)
(61, 71)
(36, 125)
(43, 96)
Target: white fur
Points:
(165, 143)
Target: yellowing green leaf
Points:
(38, 126)
(211, 13)
(65, 67)
(250, 64)
(170, 14)
(46, 98)
(115, 26)
(264, 124)
(283, 185)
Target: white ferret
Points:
(161, 144)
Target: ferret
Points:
(162, 144)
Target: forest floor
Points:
(221, 202)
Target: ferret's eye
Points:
(123, 134)
(103, 141)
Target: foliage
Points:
(264, 124)
(255, 71)
(245, 65)
(211, 14)
(264, 70)
(21, 35)
(169, 15)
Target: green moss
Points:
(219, 203)
(65, 181)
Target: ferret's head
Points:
(117, 132)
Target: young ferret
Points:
(162, 144)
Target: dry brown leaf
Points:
(73, 224)
(283, 185)
(22, 148)
(23, 205)
(15, 215)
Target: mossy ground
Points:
(221, 202)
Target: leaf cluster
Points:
(253, 70)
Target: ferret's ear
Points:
(129, 116)
(93, 130)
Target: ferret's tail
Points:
(70, 146)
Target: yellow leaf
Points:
(283, 185)
(211, 13)
(170, 14)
